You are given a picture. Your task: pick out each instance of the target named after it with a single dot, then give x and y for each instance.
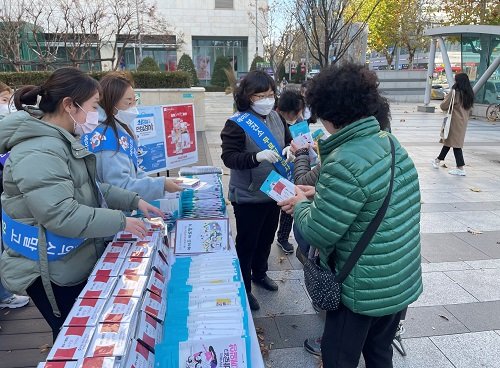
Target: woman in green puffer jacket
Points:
(332, 216)
(55, 215)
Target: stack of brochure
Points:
(302, 136)
(208, 202)
(117, 319)
(207, 315)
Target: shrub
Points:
(178, 79)
(186, 64)
(148, 64)
(256, 60)
(219, 77)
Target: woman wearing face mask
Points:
(255, 141)
(54, 223)
(114, 144)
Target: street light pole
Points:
(139, 26)
(256, 34)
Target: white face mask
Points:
(4, 109)
(90, 123)
(127, 116)
(264, 106)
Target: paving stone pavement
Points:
(456, 321)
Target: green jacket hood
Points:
(21, 126)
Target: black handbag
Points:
(323, 285)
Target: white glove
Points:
(288, 153)
(268, 155)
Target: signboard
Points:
(167, 137)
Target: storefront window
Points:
(166, 59)
(206, 51)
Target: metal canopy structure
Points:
(437, 37)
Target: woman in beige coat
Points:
(464, 99)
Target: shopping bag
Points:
(445, 127)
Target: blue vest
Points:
(103, 138)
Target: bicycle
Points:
(493, 112)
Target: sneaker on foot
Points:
(286, 246)
(457, 172)
(435, 163)
(254, 303)
(15, 301)
(313, 346)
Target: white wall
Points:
(200, 18)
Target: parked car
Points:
(437, 92)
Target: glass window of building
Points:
(223, 4)
(207, 50)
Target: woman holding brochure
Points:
(114, 143)
(255, 141)
(54, 223)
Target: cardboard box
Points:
(98, 287)
(99, 362)
(142, 249)
(108, 265)
(85, 312)
(139, 356)
(117, 249)
(130, 285)
(160, 264)
(157, 284)
(72, 343)
(136, 266)
(120, 309)
(57, 365)
(110, 340)
(149, 330)
(154, 305)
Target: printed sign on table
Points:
(180, 134)
(206, 235)
(148, 128)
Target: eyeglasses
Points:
(261, 96)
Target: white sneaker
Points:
(457, 172)
(435, 163)
(15, 301)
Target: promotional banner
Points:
(167, 137)
(180, 134)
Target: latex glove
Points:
(146, 208)
(288, 153)
(268, 155)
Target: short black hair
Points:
(256, 81)
(291, 101)
(344, 94)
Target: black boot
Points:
(266, 283)
(254, 304)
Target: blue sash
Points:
(3, 158)
(263, 138)
(23, 239)
(96, 141)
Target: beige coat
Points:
(459, 120)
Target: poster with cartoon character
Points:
(180, 135)
(148, 128)
(206, 235)
(213, 353)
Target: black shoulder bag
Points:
(323, 285)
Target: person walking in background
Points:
(53, 208)
(7, 299)
(353, 183)
(464, 100)
(114, 143)
(290, 107)
(251, 157)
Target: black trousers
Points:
(459, 155)
(348, 334)
(65, 298)
(255, 228)
(285, 226)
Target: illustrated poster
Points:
(208, 235)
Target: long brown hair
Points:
(64, 82)
(114, 86)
